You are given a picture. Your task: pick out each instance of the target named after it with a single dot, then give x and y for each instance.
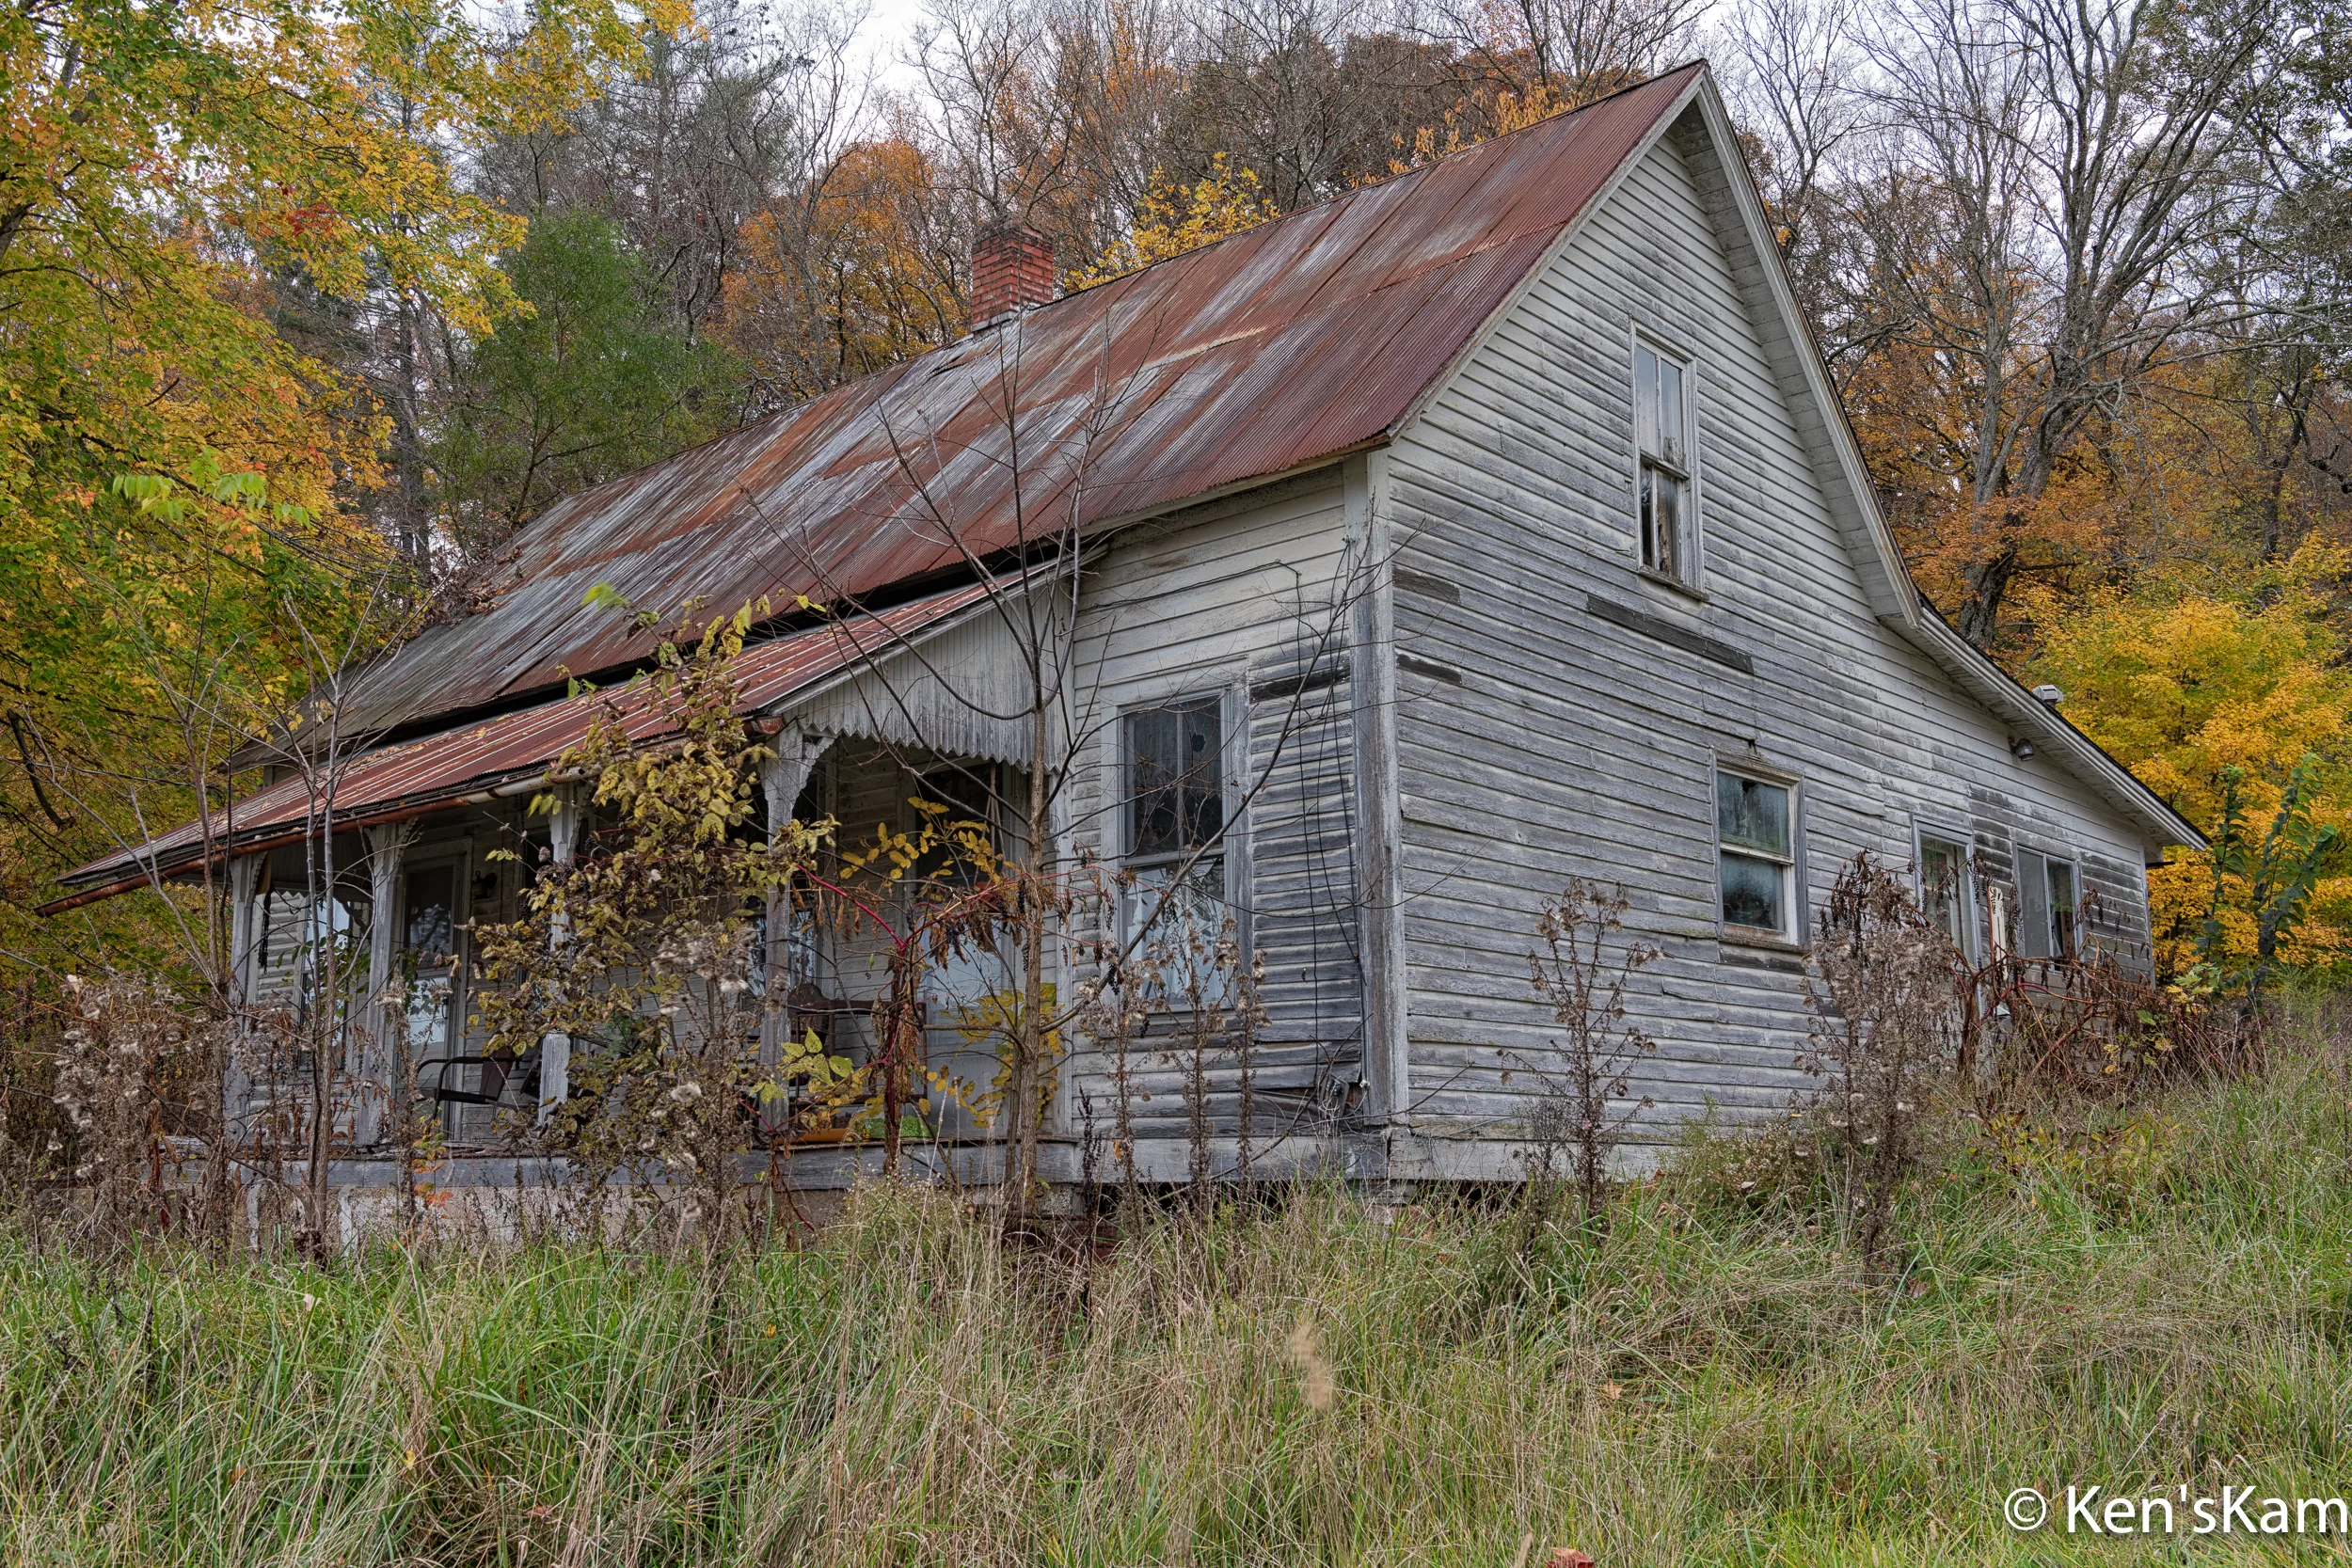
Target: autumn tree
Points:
(1174, 220)
(2047, 182)
(857, 273)
(168, 177)
(2216, 701)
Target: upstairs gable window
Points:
(1662, 427)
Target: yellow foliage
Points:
(1177, 218)
(991, 1024)
(2180, 685)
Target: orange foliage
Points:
(858, 277)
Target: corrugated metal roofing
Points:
(1298, 341)
(510, 753)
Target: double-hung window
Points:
(1175, 819)
(2049, 896)
(1946, 893)
(1756, 861)
(1662, 426)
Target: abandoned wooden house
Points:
(1472, 531)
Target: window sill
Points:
(1770, 942)
(1673, 585)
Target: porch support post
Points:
(383, 1085)
(244, 924)
(555, 1049)
(781, 778)
(245, 946)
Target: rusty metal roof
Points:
(507, 755)
(1287, 344)
(1274, 349)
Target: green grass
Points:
(1715, 1382)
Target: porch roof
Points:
(508, 755)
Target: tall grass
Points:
(1712, 1381)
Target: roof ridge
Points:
(1396, 178)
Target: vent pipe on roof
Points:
(1012, 268)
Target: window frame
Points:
(1794, 905)
(1233, 839)
(2060, 939)
(1924, 829)
(1693, 556)
(2066, 934)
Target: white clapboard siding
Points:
(1253, 593)
(1573, 746)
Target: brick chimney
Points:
(1012, 268)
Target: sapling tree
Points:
(248, 1077)
(2262, 887)
(644, 952)
(944, 895)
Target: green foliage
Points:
(2262, 885)
(181, 483)
(591, 382)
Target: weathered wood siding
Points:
(1247, 599)
(1538, 740)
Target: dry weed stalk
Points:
(1195, 988)
(1883, 992)
(1584, 1107)
(128, 1056)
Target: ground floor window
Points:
(1947, 891)
(1174, 818)
(1757, 859)
(2049, 896)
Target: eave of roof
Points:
(515, 753)
(2008, 699)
